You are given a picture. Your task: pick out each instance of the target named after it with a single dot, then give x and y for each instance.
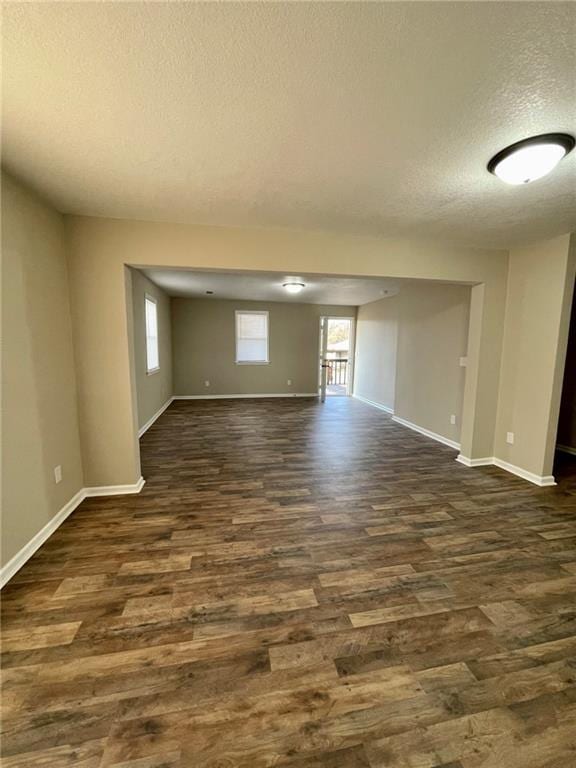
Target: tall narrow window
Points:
(252, 337)
(152, 358)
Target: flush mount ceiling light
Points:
(293, 287)
(532, 158)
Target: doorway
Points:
(565, 458)
(336, 356)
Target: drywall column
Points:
(103, 346)
(482, 373)
(540, 287)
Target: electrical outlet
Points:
(453, 419)
(510, 438)
(206, 383)
(463, 362)
(58, 474)
(289, 382)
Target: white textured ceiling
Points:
(267, 286)
(366, 117)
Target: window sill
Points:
(152, 371)
(252, 362)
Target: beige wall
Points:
(152, 390)
(540, 285)
(432, 337)
(567, 424)
(39, 408)
(408, 351)
(204, 347)
(99, 249)
(376, 342)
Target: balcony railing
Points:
(337, 372)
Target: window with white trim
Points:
(152, 356)
(252, 337)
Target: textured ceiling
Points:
(267, 286)
(364, 117)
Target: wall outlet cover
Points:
(453, 419)
(58, 474)
(463, 362)
(206, 383)
(510, 438)
(289, 382)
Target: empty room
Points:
(288, 385)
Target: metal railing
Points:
(337, 372)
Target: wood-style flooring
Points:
(298, 585)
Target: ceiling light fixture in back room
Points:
(293, 287)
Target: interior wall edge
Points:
(540, 277)
(565, 348)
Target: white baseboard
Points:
(566, 449)
(541, 480)
(374, 404)
(114, 490)
(427, 433)
(14, 565)
(21, 557)
(484, 462)
(243, 397)
(151, 421)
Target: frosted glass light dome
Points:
(293, 287)
(531, 158)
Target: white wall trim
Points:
(484, 462)
(114, 490)
(243, 397)
(566, 449)
(373, 403)
(541, 480)
(151, 421)
(427, 433)
(21, 557)
(14, 565)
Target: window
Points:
(252, 337)
(152, 359)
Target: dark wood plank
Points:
(298, 585)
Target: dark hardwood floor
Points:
(298, 585)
